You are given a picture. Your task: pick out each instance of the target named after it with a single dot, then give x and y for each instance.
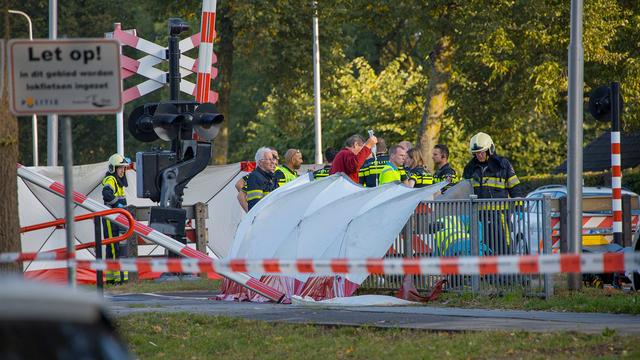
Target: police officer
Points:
(492, 177)
(418, 176)
(329, 155)
(289, 170)
(113, 195)
(391, 171)
(261, 181)
(444, 172)
(370, 171)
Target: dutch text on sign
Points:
(75, 76)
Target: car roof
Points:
(590, 190)
(31, 300)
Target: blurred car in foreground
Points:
(45, 321)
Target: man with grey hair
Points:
(261, 180)
(241, 184)
(352, 156)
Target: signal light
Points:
(600, 103)
(175, 120)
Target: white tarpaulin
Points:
(214, 186)
(326, 219)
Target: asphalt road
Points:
(414, 317)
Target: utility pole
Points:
(575, 116)
(52, 120)
(316, 85)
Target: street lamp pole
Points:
(34, 118)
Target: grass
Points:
(146, 286)
(585, 300)
(187, 336)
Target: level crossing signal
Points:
(174, 121)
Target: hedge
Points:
(630, 180)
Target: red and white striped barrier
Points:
(467, 265)
(205, 54)
(146, 232)
(616, 182)
(39, 256)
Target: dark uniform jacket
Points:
(322, 173)
(372, 168)
(259, 184)
(494, 178)
(420, 176)
(445, 173)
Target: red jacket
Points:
(349, 163)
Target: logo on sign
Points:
(34, 103)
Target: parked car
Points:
(597, 227)
(45, 321)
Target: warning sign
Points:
(75, 76)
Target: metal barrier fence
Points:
(475, 227)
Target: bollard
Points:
(97, 226)
(475, 239)
(201, 213)
(546, 242)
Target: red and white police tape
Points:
(466, 265)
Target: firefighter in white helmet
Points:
(113, 195)
(492, 177)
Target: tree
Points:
(9, 223)
(356, 99)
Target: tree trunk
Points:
(225, 66)
(9, 222)
(436, 99)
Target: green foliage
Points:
(508, 70)
(355, 99)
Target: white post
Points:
(316, 85)
(52, 120)
(120, 133)
(119, 115)
(34, 118)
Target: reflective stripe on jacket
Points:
(283, 175)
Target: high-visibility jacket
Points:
(494, 178)
(452, 232)
(283, 175)
(389, 173)
(259, 184)
(113, 193)
(322, 173)
(370, 171)
(421, 177)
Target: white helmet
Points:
(481, 142)
(117, 160)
